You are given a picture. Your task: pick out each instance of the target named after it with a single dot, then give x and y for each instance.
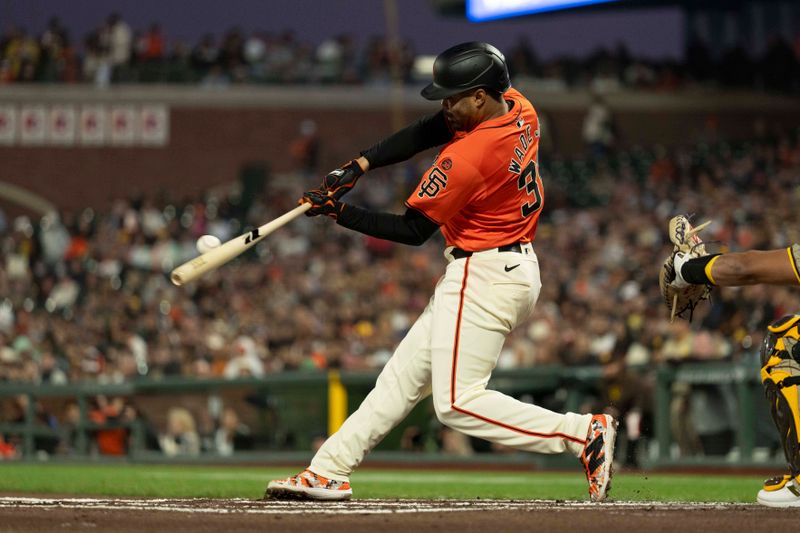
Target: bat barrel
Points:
(176, 278)
(214, 258)
(194, 268)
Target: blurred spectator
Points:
(231, 435)
(7, 450)
(231, 56)
(51, 371)
(53, 44)
(53, 238)
(330, 60)
(412, 440)
(305, 148)
(254, 53)
(452, 442)
(598, 127)
(114, 440)
(244, 361)
(120, 46)
(151, 46)
(180, 437)
(114, 52)
(45, 439)
(204, 55)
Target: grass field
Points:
(161, 481)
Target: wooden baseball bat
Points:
(226, 251)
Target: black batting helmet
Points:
(467, 66)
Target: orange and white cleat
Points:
(598, 456)
(308, 486)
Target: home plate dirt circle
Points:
(39, 514)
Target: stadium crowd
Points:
(87, 294)
(116, 53)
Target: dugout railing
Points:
(293, 408)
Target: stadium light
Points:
(483, 10)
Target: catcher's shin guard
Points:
(780, 374)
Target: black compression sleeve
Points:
(694, 270)
(412, 227)
(427, 132)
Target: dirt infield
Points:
(35, 515)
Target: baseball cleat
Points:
(781, 491)
(308, 486)
(598, 456)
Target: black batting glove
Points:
(339, 182)
(321, 204)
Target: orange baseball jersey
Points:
(484, 188)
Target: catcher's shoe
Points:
(308, 486)
(781, 491)
(598, 456)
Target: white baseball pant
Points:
(450, 352)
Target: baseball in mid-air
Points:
(207, 243)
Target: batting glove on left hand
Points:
(321, 204)
(339, 182)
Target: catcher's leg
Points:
(780, 375)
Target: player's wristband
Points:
(698, 271)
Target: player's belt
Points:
(458, 253)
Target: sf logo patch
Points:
(435, 182)
(446, 163)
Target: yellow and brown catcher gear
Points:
(780, 374)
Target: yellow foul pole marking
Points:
(337, 402)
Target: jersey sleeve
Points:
(445, 188)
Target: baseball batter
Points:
(484, 193)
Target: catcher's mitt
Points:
(680, 296)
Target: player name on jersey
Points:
(525, 140)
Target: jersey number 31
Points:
(532, 183)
